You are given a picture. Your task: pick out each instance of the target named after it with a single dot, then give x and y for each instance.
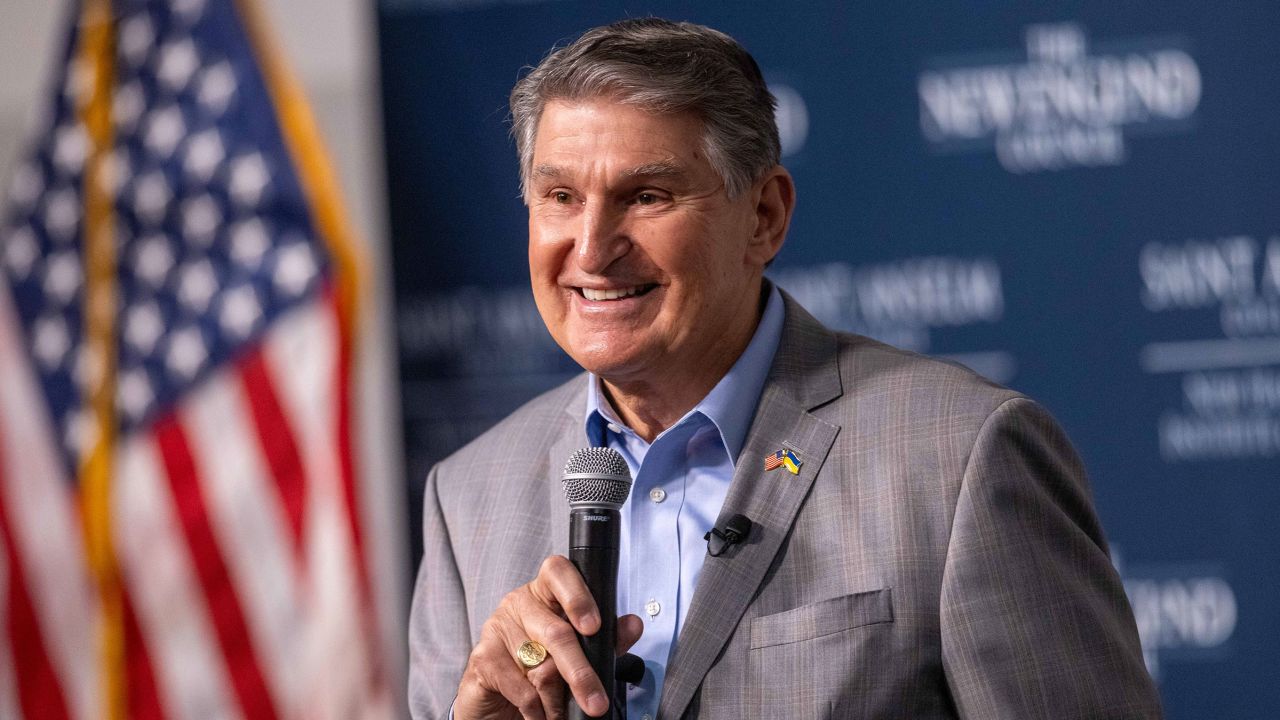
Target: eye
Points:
(646, 198)
(561, 197)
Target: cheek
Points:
(545, 255)
(537, 261)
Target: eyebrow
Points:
(547, 171)
(660, 168)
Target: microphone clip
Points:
(735, 530)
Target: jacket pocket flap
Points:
(822, 618)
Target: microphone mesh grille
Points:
(597, 475)
(597, 461)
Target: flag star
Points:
(165, 129)
(62, 213)
(70, 148)
(248, 242)
(294, 269)
(187, 352)
(178, 62)
(249, 177)
(81, 431)
(215, 87)
(201, 218)
(197, 285)
(27, 184)
(127, 105)
(204, 154)
(136, 38)
(51, 341)
(189, 10)
(240, 311)
(134, 395)
(143, 326)
(21, 250)
(62, 277)
(153, 259)
(151, 196)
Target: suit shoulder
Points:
(519, 437)
(871, 369)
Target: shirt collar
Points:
(731, 404)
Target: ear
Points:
(775, 199)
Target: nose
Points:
(602, 239)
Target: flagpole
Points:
(95, 57)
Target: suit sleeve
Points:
(1035, 622)
(439, 639)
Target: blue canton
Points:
(212, 230)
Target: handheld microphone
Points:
(597, 482)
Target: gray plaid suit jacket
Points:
(938, 555)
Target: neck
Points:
(649, 407)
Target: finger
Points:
(630, 628)
(493, 683)
(541, 624)
(551, 688)
(560, 585)
(517, 689)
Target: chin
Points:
(606, 364)
(605, 367)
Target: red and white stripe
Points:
(249, 523)
(239, 560)
(50, 606)
(173, 617)
(307, 384)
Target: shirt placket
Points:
(654, 575)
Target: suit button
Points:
(646, 716)
(652, 607)
(657, 495)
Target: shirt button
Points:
(652, 607)
(614, 428)
(657, 495)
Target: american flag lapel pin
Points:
(783, 458)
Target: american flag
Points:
(772, 462)
(179, 523)
(783, 457)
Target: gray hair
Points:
(666, 68)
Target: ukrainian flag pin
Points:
(783, 458)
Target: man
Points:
(928, 547)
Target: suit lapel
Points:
(804, 375)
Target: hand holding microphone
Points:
(558, 610)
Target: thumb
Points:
(630, 628)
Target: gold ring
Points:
(531, 654)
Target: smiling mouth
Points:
(615, 294)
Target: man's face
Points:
(643, 269)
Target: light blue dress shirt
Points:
(680, 482)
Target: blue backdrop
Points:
(1078, 199)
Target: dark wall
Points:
(1078, 199)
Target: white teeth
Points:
(591, 294)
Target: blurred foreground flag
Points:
(179, 523)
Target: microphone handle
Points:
(593, 549)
